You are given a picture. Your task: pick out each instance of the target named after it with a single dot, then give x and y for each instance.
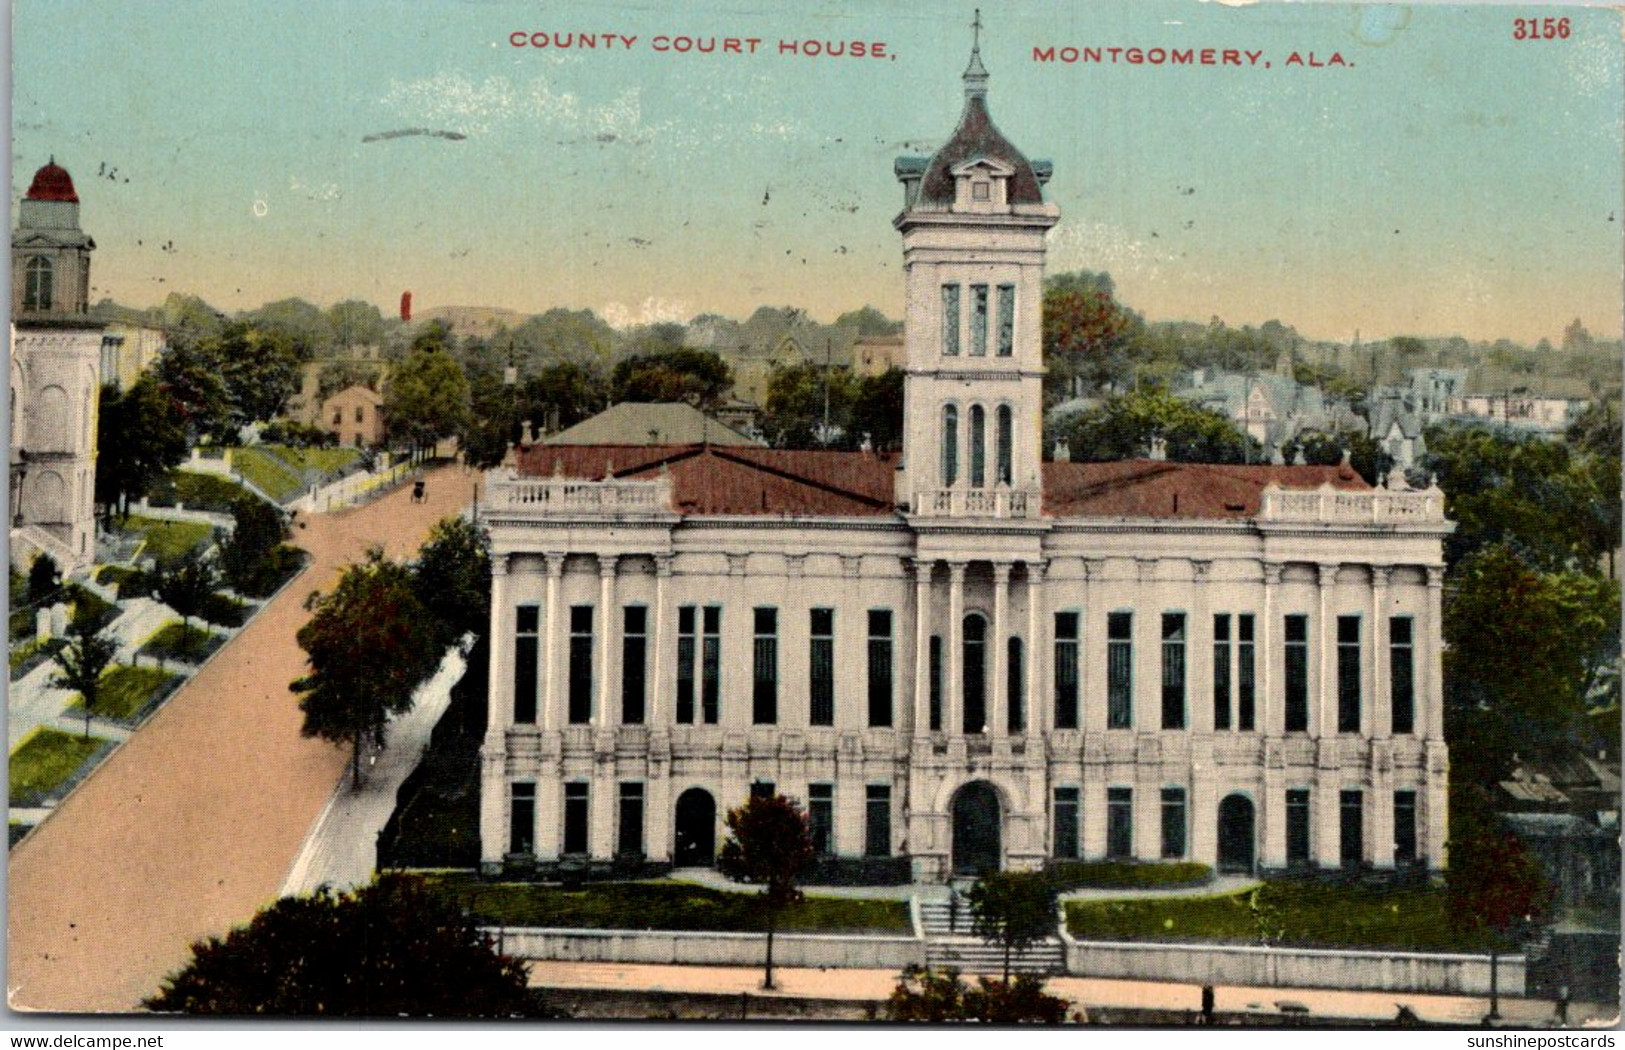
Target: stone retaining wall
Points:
(709, 949)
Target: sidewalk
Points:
(1085, 993)
(341, 850)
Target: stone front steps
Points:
(950, 943)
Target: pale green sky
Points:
(1449, 179)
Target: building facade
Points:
(963, 655)
(56, 358)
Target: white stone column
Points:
(1092, 660)
(1271, 713)
(552, 717)
(922, 646)
(500, 707)
(493, 805)
(997, 700)
(1429, 648)
(604, 715)
(1039, 653)
(1199, 654)
(953, 717)
(1325, 723)
(1380, 722)
(656, 663)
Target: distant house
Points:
(651, 423)
(127, 351)
(1397, 428)
(874, 355)
(354, 416)
(1271, 408)
(1566, 809)
(1543, 415)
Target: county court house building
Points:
(963, 655)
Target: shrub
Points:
(927, 995)
(1069, 875)
(223, 610)
(91, 612)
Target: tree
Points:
(343, 374)
(355, 323)
(426, 398)
(926, 995)
(1495, 888)
(1325, 448)
(195, 391)
(187, 587)
(138, 439)
(698, 377)
(869, 322)
(877, 410)
(260, 367)
(82, 662)
(1012, 909)
(1087, 334)
(302, 324)
(452, 578)
(44, 579)
(369, 642)
(1125, 426)
(390, 949)
(250, 560)
(793, 413)
(769, 846)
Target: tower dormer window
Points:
(38, 282)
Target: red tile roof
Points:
(708, 479)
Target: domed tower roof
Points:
(52, 183)
(975, 138)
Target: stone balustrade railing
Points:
(976, 503)
(577, 496)
(1339, 506)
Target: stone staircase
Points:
(950, 942)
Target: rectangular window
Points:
(1066, 822)
(1351, 827)
(877, 827)
(1007, 320)
(575, 818)
(358, 413)
(1119, 823)
(1119, 670)
(580, 663)
(1297, 674)
(526, 646)
(1173, 823)
(880, 673)
(1173, 670)
(711, 665)
(1348, 674)
(634, 663)
(821, 818)
(1246, 683)
(950, 319)
(762, 789)
(936, 682)
(631, 830)
(765, 688)
(522, 819)
(1221, 671)
(1297, 827)
(1402, 674)
(978, 320)
(1015, 690)
(685, 664)
(1404, 827)
(821, 663)
(1066, 670)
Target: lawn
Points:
(27, 655)
(169, 541)
(663, 906)
(177, 641)
(46, 761)
(209, 492)
(1299, 913)
(330, 461)
(128, 693)
(273, 476)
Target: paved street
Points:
(196, 821)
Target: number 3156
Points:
(1540, 29)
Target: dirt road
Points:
(193, 824)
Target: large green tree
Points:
(452, 578)
(794, 410)
(253, 559)
(191, 383)
(138, 439)
(391, 949)
(877, 410)
(698, 377)
(369, 643)
(769, 845)
(1126, 425)
(187, 586)
(355, 323)
(426, 399)
(1087, 335)
(260, 367)
(82, 662)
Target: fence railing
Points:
(975, 503)
(1335, 506)
(575, 496)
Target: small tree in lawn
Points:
(1012, 909)
(390, 949)
(82, 662)
(187, 587)
(370, 642)
(1495, 888)
(768, 845)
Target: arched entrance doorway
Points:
(1236, 834)
(976, 829)
(696, 844)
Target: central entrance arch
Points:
(1236, 835)
(696, 844)
(977, 826)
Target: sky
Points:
(1439, 177)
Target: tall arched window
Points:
(37, 284)
(1005, 437)
(950, 445)
(974, 680)
(1015, 699)
(978, 446)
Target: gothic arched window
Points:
(950, 445)
(978, 446)
(37, 284)
(1006, 435)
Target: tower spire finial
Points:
(976, 73)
